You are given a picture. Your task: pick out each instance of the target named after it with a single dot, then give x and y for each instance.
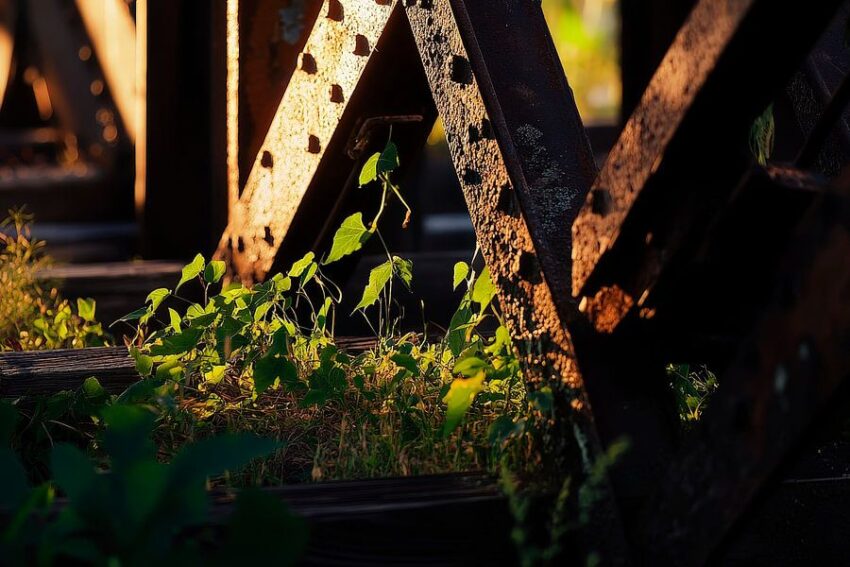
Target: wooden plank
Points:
(302, 174)
(459, 519)
(117, 287)
(524, 165)
(657, 187)
(45, 372)
(782, 378)
(48, 372)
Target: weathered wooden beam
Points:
(783, 377)
(524, 164)
(453, 519)
(302, 171)
(48, 372)
(685, 148)
(45, 372)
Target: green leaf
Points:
(191, 270)
(156, 297)
(92, 388)
(389, 159)
(457, 330)
(194, 311)
(14, 481)
(178, 343)
(216, 455)
(369, 173)
(459, 398)
(460, 274)
(407, 362)
(214, 271)
(281, 283)
(270, 368)
(72, 471)
(379, 163)
(261, 310)
(134, 316)
(470, 366)
(301, 265)
(253, 534)
(215, 374)
(378, 279)
(144, 363)
(86, 309)
(175, 318)
(404, 270)
(483, 291)
(349, 238)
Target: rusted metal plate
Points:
(524, 164)
(686, 146)
(783, 377)
(302, 170)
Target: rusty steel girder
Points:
(336, 54)
(685, 148)
(358, 62)
(524, 164)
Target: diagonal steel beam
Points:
(358, 62)
(524, 164)
(686, 146)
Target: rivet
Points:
(314, 146)
(335, 11)
(307, 63)
(267, 160)
(461, 70)
(361, 45)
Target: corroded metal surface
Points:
(524, 164)
(336, 53)
(713, 82)
(781, 381)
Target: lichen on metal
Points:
(337, 51)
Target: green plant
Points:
(693, 388)
(140, 510)
(266, 358)
(32, 317)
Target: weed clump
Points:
(33, 315)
